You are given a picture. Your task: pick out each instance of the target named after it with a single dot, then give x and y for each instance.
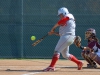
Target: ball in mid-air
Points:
(33, 38)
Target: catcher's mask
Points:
(90, 33)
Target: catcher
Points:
(91, 53)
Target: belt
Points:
(67, 34)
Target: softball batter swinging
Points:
(67, 35)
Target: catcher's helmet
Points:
(90, 33)
(63, 11)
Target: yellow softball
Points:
(33, 38)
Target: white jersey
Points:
(67, 35)
(69, 27)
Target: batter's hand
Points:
(51, 33)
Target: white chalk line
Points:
(33, 73)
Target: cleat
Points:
(51, 69)
(80, 65)
(90, 66)
(95, 66)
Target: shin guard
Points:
(95, 57)
(87, 58)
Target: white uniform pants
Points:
(63, 45)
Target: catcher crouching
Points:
(91, 53)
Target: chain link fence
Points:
(20, 19)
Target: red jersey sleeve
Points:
(63, 21)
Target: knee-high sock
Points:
(74, 59)
(54, 60)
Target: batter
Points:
(66, 32)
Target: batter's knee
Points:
(65, 55)
(56, 52)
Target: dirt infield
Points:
(35, 67)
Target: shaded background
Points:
(20, 19)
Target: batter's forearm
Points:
(54, 27)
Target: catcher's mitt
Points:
(77, 41)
